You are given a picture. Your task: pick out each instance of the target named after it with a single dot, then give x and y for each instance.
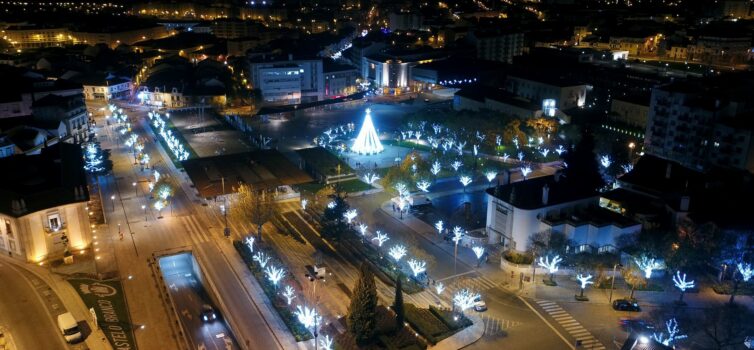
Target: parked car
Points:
(480, 305)
(69, 327)
(626, 305)
(208, 313)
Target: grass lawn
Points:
(354, 185)
(324, 161)
(109, 303)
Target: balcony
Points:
(55, 229)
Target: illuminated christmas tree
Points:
(367, 142)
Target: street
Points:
(189, 296)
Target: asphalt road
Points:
(23, 314)
(189, 295)
(511, 324)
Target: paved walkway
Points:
(71, 301)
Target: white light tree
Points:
(274, 274)
(262, 259)
(370, 178)
(460, 146)
(349, 215)
(544, 152)
(439, 288)
(326, 343)
(402, 189)
(417, 266)
(456, 165)
(309, 317)
(304, 202)
(397, 252)
(367, 142)
(605, 161)
(520, 156)
(584, 281)
(423, 185)
(439, 226)
(525, 171)
(475, 150)
(465, 299)
(505, 157)
(479, 252)
(672, 327)
(560, 150)
(457, 234)
(465, 181)
(745, 271)
(380, 238)
(627, 167)
(490, 175)
(647, 265)
(289, 294)
(680, 282)
(435, 168)
(93, 162)
(331, 205)
(250, 243)
(363, 229)
(550, 265)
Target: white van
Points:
(69, 327)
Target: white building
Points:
(518, 210)
(288, 81)
(42, 201)
(104, 88)
(567, 94)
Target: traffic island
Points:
(550, 283)
(581, 298)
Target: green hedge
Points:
(726, 287)
(453, 321)
(297, 329)
(518, 258)
(426, 323)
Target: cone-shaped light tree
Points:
(398, 304)
(367, 142)
(362, 311)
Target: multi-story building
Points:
(738, 9)
(536, 88)
(43, 203)
(631, 110)
(71, 110)
(235, 28)
(723, 48)
(114, 36)
(497, 45)
(516, 211)
(36, 36)
(289, 81)
(390, 70)
(100, 87)
(637, 44)
(404, 21)
(340, 79)
(692, 123)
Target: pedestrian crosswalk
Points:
(496, 326)
(573, 327)
(474, 284)
(194, 230)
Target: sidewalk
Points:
(71, 301)
(464, 338)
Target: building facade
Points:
(567, 94)
(497, 46)
(288, 81)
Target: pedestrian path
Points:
(573, 327)
(494, 326)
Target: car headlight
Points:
(205, 317)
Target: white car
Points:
(480, 305)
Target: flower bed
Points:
(434, 324)
(297, 329)
(386, 267)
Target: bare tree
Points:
(252, 205)
(634, 277)
(725, 327)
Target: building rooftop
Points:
(527, 194)
(53, 178)
(263, 169)
(480, 93)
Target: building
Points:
(497, 45)
(390, 70)
(36, 36)
(103, 87)
(630, 110)
(113, 36)
(516, 211)
(227, 28)
(738, 9)
(340, 79)
(404, 21)
(70, 110)
(637, 44)
(722, 47)
(478, 98)
(288, 81)
(539, 87)
(690, 123)
(43, 200)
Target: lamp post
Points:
(612, 283)
(135, 189)
(631, 147)
(112, 200)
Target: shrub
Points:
(518, 258)
(452, 321)
(426, 323)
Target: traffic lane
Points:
(189, 296)
(526, 330)
(24, 316)
(602, 321)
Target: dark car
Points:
(626, 305)
(208, 313)
(635, 325)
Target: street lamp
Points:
(631, 147)
(112, 200)
(612, 283)
(144, 207)
(135, 189)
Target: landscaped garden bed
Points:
(387, 270)
(434, 324)
(283, 309)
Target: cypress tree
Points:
(398, 305)
(363, 309)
